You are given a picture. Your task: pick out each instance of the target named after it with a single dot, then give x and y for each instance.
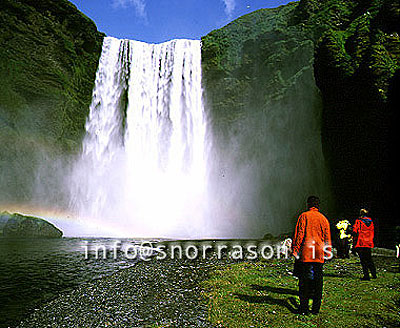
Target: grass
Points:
(264, 294)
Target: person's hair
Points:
(363, 212)
(313, 201)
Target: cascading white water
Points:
(143, 164)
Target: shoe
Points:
(374, 277)
(314, 312)
(365, 278)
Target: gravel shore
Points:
(154, 293)
(150, 294)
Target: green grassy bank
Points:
(264, 294)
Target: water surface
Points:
(35, 271)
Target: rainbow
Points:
(68, 222)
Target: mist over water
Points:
(144, 160)
(264, 168)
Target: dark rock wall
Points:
(357, 63)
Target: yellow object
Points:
(342, 226)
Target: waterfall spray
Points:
(143, 164)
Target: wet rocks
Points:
(21, 226)
(157, 292)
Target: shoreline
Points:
(148, 294)
(154, 293)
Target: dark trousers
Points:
(310, 285)
(366, 261)
(343, 248)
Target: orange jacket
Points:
(312, 237)
(364, 228)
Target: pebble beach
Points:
(150, 294)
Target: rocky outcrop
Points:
(21, 226)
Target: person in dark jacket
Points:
(363, 230)
(311, 246)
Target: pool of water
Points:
(35, 271)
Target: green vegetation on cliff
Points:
(49, 53)
(276, 58)
(254, 61)
(265, 110)
(357, 37)
(357, 64)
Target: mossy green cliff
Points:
(350, 50)
(49, 53)
(260, 87)
(357, 64)
(357, 68)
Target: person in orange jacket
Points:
(311, 246)
(363, 230)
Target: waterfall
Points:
(143, 166)
(148, 166)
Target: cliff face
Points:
(49, 53)
(265, 110)
(255, 62)
(270, 58)
(357, 67)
